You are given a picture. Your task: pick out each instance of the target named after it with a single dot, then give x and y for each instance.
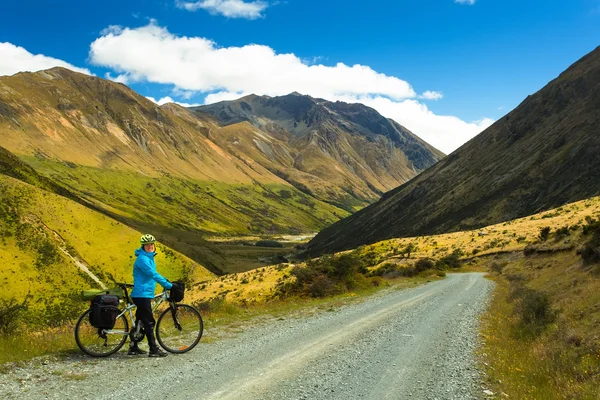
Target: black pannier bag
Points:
(177, 291)
(105, 309)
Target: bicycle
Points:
(178, 329)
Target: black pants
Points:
(144, 315)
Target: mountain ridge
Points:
(355, 139)
(541, 155)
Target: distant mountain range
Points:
(543, 154)
(344, 154)
(257, 165)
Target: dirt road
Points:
(410, 344)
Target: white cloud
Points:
(15, 59)
(168, 99)
(197, 64)
(431, 95)
(123, 78)
(193, 64)
(469, 2)
(227, 8)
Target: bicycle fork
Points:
(174, 315)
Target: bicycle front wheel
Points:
(100, 342)
(179, 328)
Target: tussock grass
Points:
(28, 344)
(554, 354)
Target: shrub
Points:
(451, 260)
(410, 248)
(384, 269)
(529, 250)
(590, 252)
(534, 309)
(544, 233)
(10, 313)
(498, 267)
(562, 233)
(321, 286)
(424, 264)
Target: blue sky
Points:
(443, 68)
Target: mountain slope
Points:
(541, 155)
(345, 154)
(46, 239)
(152, 167)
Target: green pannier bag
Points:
(89, 294)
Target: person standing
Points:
(145, 278)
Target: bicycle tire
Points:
(176, 340)
(89, 340)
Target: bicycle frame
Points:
(128, 312)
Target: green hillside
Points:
(43, 238)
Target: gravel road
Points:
(400, 344)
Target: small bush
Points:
(590, 252)
(544, 233)
(534, 309)
(529, 250)
(10, 313)
(321, 286)
(562, 233)
(451, 260)
(498, 267)
(424, 264)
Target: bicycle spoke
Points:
(182, 333)
(100, 343)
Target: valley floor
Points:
(417, 343)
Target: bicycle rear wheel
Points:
(100, 342)
(179, 328)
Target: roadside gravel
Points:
(411, 344)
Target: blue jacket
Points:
(145, 275)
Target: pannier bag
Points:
(177, 291)
(104, 311)
(89, 294)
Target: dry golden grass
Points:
(257, 285)
(563, 360)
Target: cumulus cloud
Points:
(431, 95)
(469, 2)
(193, 64)
(15, 59)
(168, 99)
(198, 64)
(227, 8)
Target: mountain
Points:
(543, 154)
(343, 154)
(149, 165)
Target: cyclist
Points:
(145, 278)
